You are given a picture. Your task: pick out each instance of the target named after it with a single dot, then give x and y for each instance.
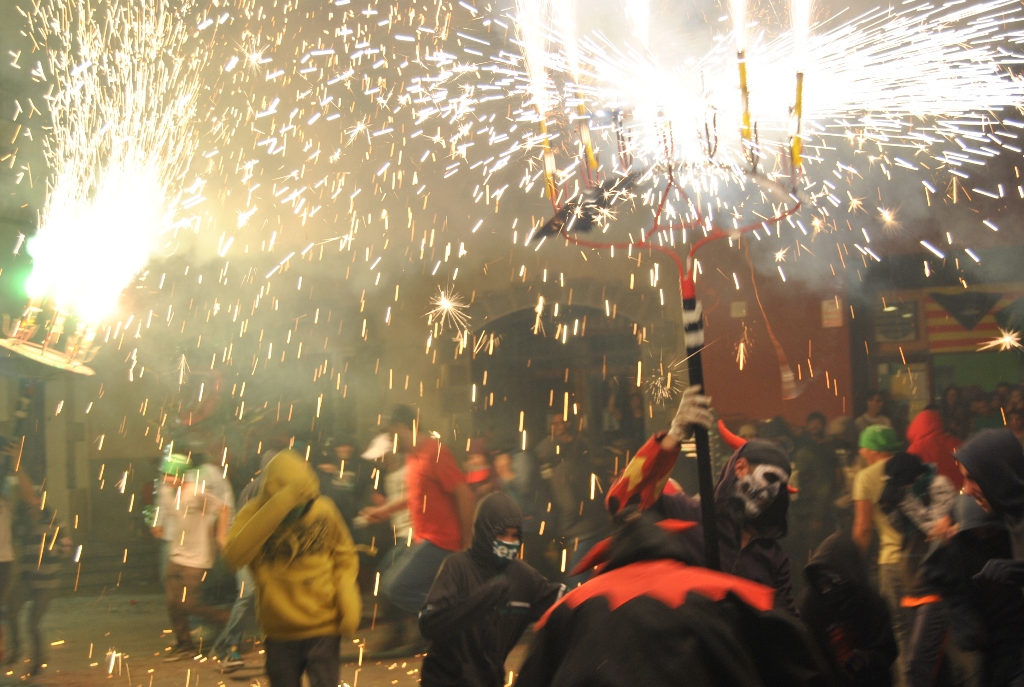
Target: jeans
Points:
(163, 552)
(242, 611)
(26, 592)
(184, 589)
(891, 587)
(318, 657)
(924, 664)
(408, 581)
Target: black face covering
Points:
(495, 514)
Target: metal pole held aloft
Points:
(693, 335)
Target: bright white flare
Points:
(738, 12)
(532, 17)
(903, 83)
(639, 13)
(123, 111)
(800, 15)
(1006, 341)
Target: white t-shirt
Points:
(394, 485)
(188, 517)
(165, 494)
(212, 480)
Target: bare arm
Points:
(222, 528)
(383, 512)
(862, 527)
(465, 501)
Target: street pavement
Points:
(120, 639)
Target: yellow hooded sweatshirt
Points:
(300, 552)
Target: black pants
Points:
(25, 593)
(318, 657)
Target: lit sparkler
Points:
(449, 310)
(1006, 341)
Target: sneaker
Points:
(232, 660)
(181, 652)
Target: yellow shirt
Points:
(305, 567)
(868, 487)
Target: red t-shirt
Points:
(431, 476)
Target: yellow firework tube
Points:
(796, 148)
(549, 162)
(23, 327)
(741, 59)
(588, 147)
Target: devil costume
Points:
(848, 619)
(758, 503)
(648, 618)
(481, 602)
(995, 460)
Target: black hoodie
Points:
(650, 619)
(995, 460)
(478, 607)
(762, 559)
(847, 618)
(982, 615)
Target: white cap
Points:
(380, 445)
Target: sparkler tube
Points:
(796, 147)
(741, 61)
(693, 336)
(549, 163)
(588, 146)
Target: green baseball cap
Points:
(880, 438)
(174, 464)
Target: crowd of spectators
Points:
(868, 503)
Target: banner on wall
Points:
(961, 322)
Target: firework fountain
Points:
(123, 106)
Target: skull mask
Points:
(760, 487)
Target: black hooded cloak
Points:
(478, 608)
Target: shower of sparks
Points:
(126, 83)
(449, 310)
(1006, 341)
(639, 13)
(663, 385)
(319, 123)
(888, 218)
(800, 14)
(892, 85)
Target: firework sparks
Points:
(123, 136)
(663, 385)
(449, 310)
(888, 217)
(1006, 341)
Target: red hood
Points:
(927, 423)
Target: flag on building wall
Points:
(960, 322)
